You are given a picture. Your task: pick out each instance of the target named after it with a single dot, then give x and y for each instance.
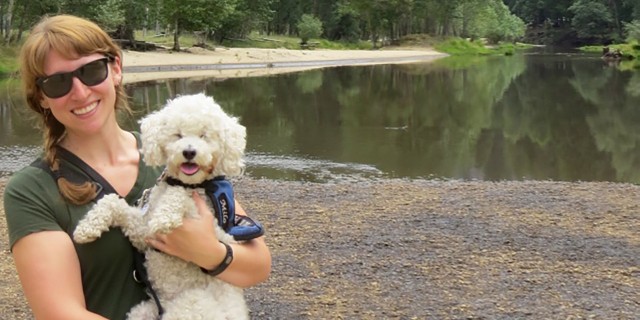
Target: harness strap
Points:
(140, 275)
(104, 187)
(220, 192)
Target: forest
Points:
(557, 22)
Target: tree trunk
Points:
(8, 24)
(176, 37)
(616, 16)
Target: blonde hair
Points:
(72, 37)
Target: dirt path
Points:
(398, 249)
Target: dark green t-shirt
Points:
(32, 203)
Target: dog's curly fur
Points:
(196, 140)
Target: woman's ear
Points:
(116, 71)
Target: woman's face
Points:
(84, 109)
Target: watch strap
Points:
(228, 258)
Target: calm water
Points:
(534, 116)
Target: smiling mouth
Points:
(189, 168)
(86, 109)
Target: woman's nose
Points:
(79, 89)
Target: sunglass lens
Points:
(93, 73)
(57, 85)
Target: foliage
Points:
(458, 46)
(248, 16)
(8, 61)
(631, 51)
(343, 45)
(379, 21)
(591, 18)
(255, 40)
(309, 27)
(110, 14)
(195, 15)
(633, 30)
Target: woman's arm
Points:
(251, 261)
(49, 271)
(196, 241)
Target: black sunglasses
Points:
(59, 84)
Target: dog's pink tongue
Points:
(189, 168)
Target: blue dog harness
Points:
(220, 191)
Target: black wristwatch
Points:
(223, 265)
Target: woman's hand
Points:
(195, 240)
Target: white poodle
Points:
(199, 144)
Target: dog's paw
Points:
(162, 225)
(84, 233)
(146, 310)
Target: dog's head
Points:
(194, 138)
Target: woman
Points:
(72, 78)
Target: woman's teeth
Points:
(86, 109)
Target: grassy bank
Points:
(256, 40)
(452, 46)
(8, 60)
(630, 52)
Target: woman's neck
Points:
(105, 148)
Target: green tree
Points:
(505, 25)
(309, 27)
(344, 23)
(591, 18)
(110, 14)
(249, 15)
(287, 14)
(195, 15)
(633, 30)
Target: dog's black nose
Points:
(189, 154)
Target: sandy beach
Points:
(246, 62)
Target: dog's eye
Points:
(203, 136)
(178, 135)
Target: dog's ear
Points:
(235, 140)
(151, 136)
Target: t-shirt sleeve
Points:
(31, 199)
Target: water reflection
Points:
(545, 116)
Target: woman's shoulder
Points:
(31, 178)
(31, 202)
(31, 184)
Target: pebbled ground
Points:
(401, 249)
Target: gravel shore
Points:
(402, 249)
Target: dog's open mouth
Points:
(189, 168)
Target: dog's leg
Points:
(99, 218)
(204, 304)
(146, 310)
(112, 211)
(133, 226)
(172, 207)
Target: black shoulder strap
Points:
(88, 174)
(104, 187)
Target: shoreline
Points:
(250, 62)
